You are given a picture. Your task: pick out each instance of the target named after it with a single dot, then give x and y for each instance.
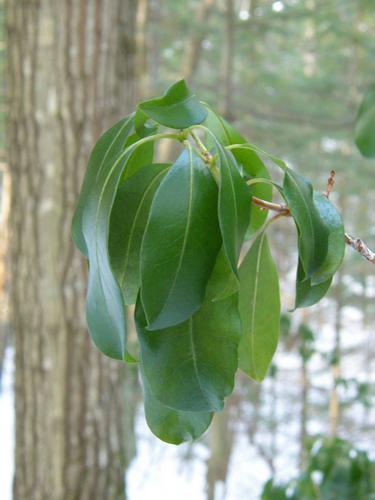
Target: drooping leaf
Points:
(191, 366)
(308, 294)
(234, 205)
(259, 305)
(102, 157)
(312, 232)
(310, 290)
(180, 244)
(173, 426)
(105, 310)
(254, 167)
(223, 282)
(365, 125)
(178, 108)
(224, 132)
(127, 224)
(336, 239)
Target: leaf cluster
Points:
(186, 244)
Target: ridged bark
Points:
(70, 75)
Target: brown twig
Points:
(267, 205)
(361, 247)
(283, 210)
(330, 183)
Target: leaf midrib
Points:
(187, 229)
(235, 203)
(135, 220)
(110, 147)
(168, 106)
(306, 207)
(256, 283)
(195, 362)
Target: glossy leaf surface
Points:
(365, 125)
(336, 238)
(178, 108)
(173, 426)
(259, 305)
(191, 366)
(312, 232)
(106, 149)
(128, 221)
(224, 132)
(180, 244)
(308, 294)
(223, 282)
(105, 311)
(255, 168)
(234, 206)
(310, 290)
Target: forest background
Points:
(290, 76)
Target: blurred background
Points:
(290, 75)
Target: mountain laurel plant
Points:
(168, 237)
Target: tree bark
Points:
(142, 49)
(228, 59)
(65, 88)
(334, 401)
(4, 242)
(305, 386)
(194, 44)
(221, 441)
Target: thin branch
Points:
(361, 247)
(283, 210)
(207, 157)
(330, 183)
(267, 205)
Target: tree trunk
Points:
(4, 241)
(221, 439)
(304, 414)
(193, 48)
(142, 19)
(228, 60)
(334, 401)
(64, 90)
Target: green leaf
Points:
(365, 125)
(259, 305)
(223, 282)
(336, 239)
(312, 232)
(234, 206)
(141, 125)
(224, 132)
(106, 149)
(127, 224)
(255, 168)
(180, 244)
(173, 426)
(308, 294)
(129, 358)
(178, 108)
(310, 290)
(191, 366)
(105, 310)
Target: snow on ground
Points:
(7, 430)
